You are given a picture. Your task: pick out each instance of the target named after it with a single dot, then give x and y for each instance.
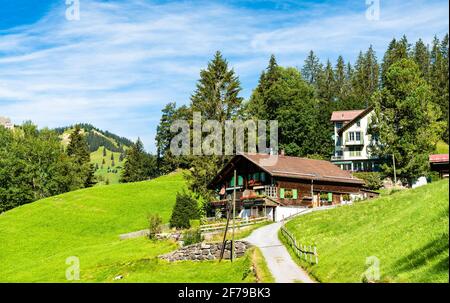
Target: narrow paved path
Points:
(280, 263)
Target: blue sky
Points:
(123, 60)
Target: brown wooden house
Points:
(266, 183)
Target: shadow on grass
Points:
(428, 252)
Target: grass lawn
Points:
(38, 237)
(407, 231)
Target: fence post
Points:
(306, 255)
(310, 255)
(315, 254)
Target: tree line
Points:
(34, 165)
(408, 90)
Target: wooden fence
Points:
(239, 223)
(306, 252)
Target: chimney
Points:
(282, 152)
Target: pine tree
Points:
(421, 55)
(262, 105)
(185, 209)
(104, 152)
(396, 51)
(139, 165)
(405, 121)
(439, 79)
(311, 68)
(78, 150)
(217, 93)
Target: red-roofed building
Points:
(273, 185)
(439, 163)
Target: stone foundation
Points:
(206, 251)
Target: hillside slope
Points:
(407, 231)
(38, 237)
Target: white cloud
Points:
(122, 61)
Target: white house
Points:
(6, 122)
(351, 140)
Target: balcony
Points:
(354, 142)
(337, 158)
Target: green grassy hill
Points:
(38, 237)
(107, 173)
(407, 231)
(97, 140)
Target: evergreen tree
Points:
(78, 149)
(185, 209)
(405, 121)
(311, 68)
(134, 168)
(104, 152)
(217, 93)
(396, 51)
(262, 104)
(365, 80)
(421, 56)
(439, 80)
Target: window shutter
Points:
(232, 182)
(263, 177)
(294, 194)
(346, 137)
(281, 193)
(330, 197)
(240, 180)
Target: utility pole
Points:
(234, 215)
(395, 174)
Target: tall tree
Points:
(396, 51)
(78, 149)
(217, 93)
(262, 105)
(405, 121)
(365, 79)
(421, 55)
(138, 165)
(311, 68)
(439, 79)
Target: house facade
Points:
(6, 122)
(352, 141)
(278, 186)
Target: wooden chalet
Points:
(264, 184)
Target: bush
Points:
(194, 223)
(192, 236)
(154, 225)
(372, 179)
(346, 197)
(185, 209)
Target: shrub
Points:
(192, 236)
(372, 179)
(185, 209)
(194, 223)
(154, 225)
(346, 197)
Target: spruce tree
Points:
(311, 68)
(405, 121)
(217, 93)
(78, 150)
(185, 209)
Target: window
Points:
(351, 136)
(240, 180)
(358, 136)
(338, 125)
(355, 151)
(358, 123)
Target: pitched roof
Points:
(438, 158)
(295, 168)
(356, 118)
(345, 115)
(4, 120)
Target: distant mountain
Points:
(97, 138)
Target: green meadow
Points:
(37, 238)
(407, 231)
